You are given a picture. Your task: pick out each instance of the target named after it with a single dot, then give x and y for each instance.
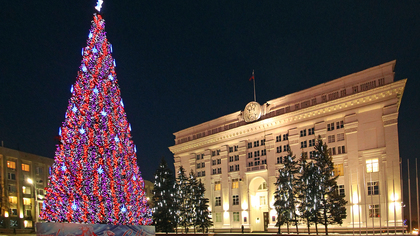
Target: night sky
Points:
(182, 63)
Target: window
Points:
(218, 152)
(219, 161)
(311, 142)
(28, 213)
(374, 211)
(236, 157)
(198, 166)
(236, 216)
(262, 186)
(203, 173)
(213, 162)
(330, 127)
(340, 137)
(203, 165)
(199, 174)
(251, 163)
(219, 170)
(230, 168)
(250, 155)
(278, 149)
(12, 189)
(373, 188)
(257, 153)
(279, 160)
(331, 138)
(235, 183)
(213, 153)
(263, 152)
(214, 171)
(263, 142)
(338, 170)
(11, 176)
(230, 149)
(257, 143)
(13, 212)
(230, 158)
(249, 145)
(372, 165)
(264, 162)
(333, 151)
(263, 201)
(340, 124)
(311, 131)
(343, 93)
(286, 148)
(237, 167)
(304, 154)
(13, 200)
(303, 133)
(312, 154)
(324, 98)
(11, 165)
(235, 200)
(218, 201)
(26, 201)
(218, 216)
(217, 186)
(303, 144)
(341, 190)
(26, 190)
(285, 137)
(236, 148)
(278, 138)
(355, 89)
(341, 149)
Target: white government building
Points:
(237, 156)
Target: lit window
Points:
(217, 186)
(374, 211)
(236, 216)
(27, 223)
(338, 170)
(26, 201)
(26, 190)
(372, 165)
(11, 165)
(235, 183)
(263, 201)
(13, 200)
(25, 167)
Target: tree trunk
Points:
(325, 221)
(316, 228)
(288, 232)
(278, 230)
(307, 222)
(297, 228)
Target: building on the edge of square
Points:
(237, 156)
(23, 179)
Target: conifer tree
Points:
(162, 199)
(307, 188)
(285, 194)
(180, 197)
(192, 200)
(202, 220)
(330, 208)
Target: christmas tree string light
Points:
(95, 177)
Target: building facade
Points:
(23, 179)
(238, 156)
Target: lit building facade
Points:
(238, 156)
(23, 179)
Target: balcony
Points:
(256, 168)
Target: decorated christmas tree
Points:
(95, 177)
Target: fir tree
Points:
(330, 207)
(192, 200)
(95, 177)
(285, 194)
(307, 188)
(162, 199)
(202, 219)
(180, 197)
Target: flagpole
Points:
(255, 96)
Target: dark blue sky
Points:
(181, 63)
